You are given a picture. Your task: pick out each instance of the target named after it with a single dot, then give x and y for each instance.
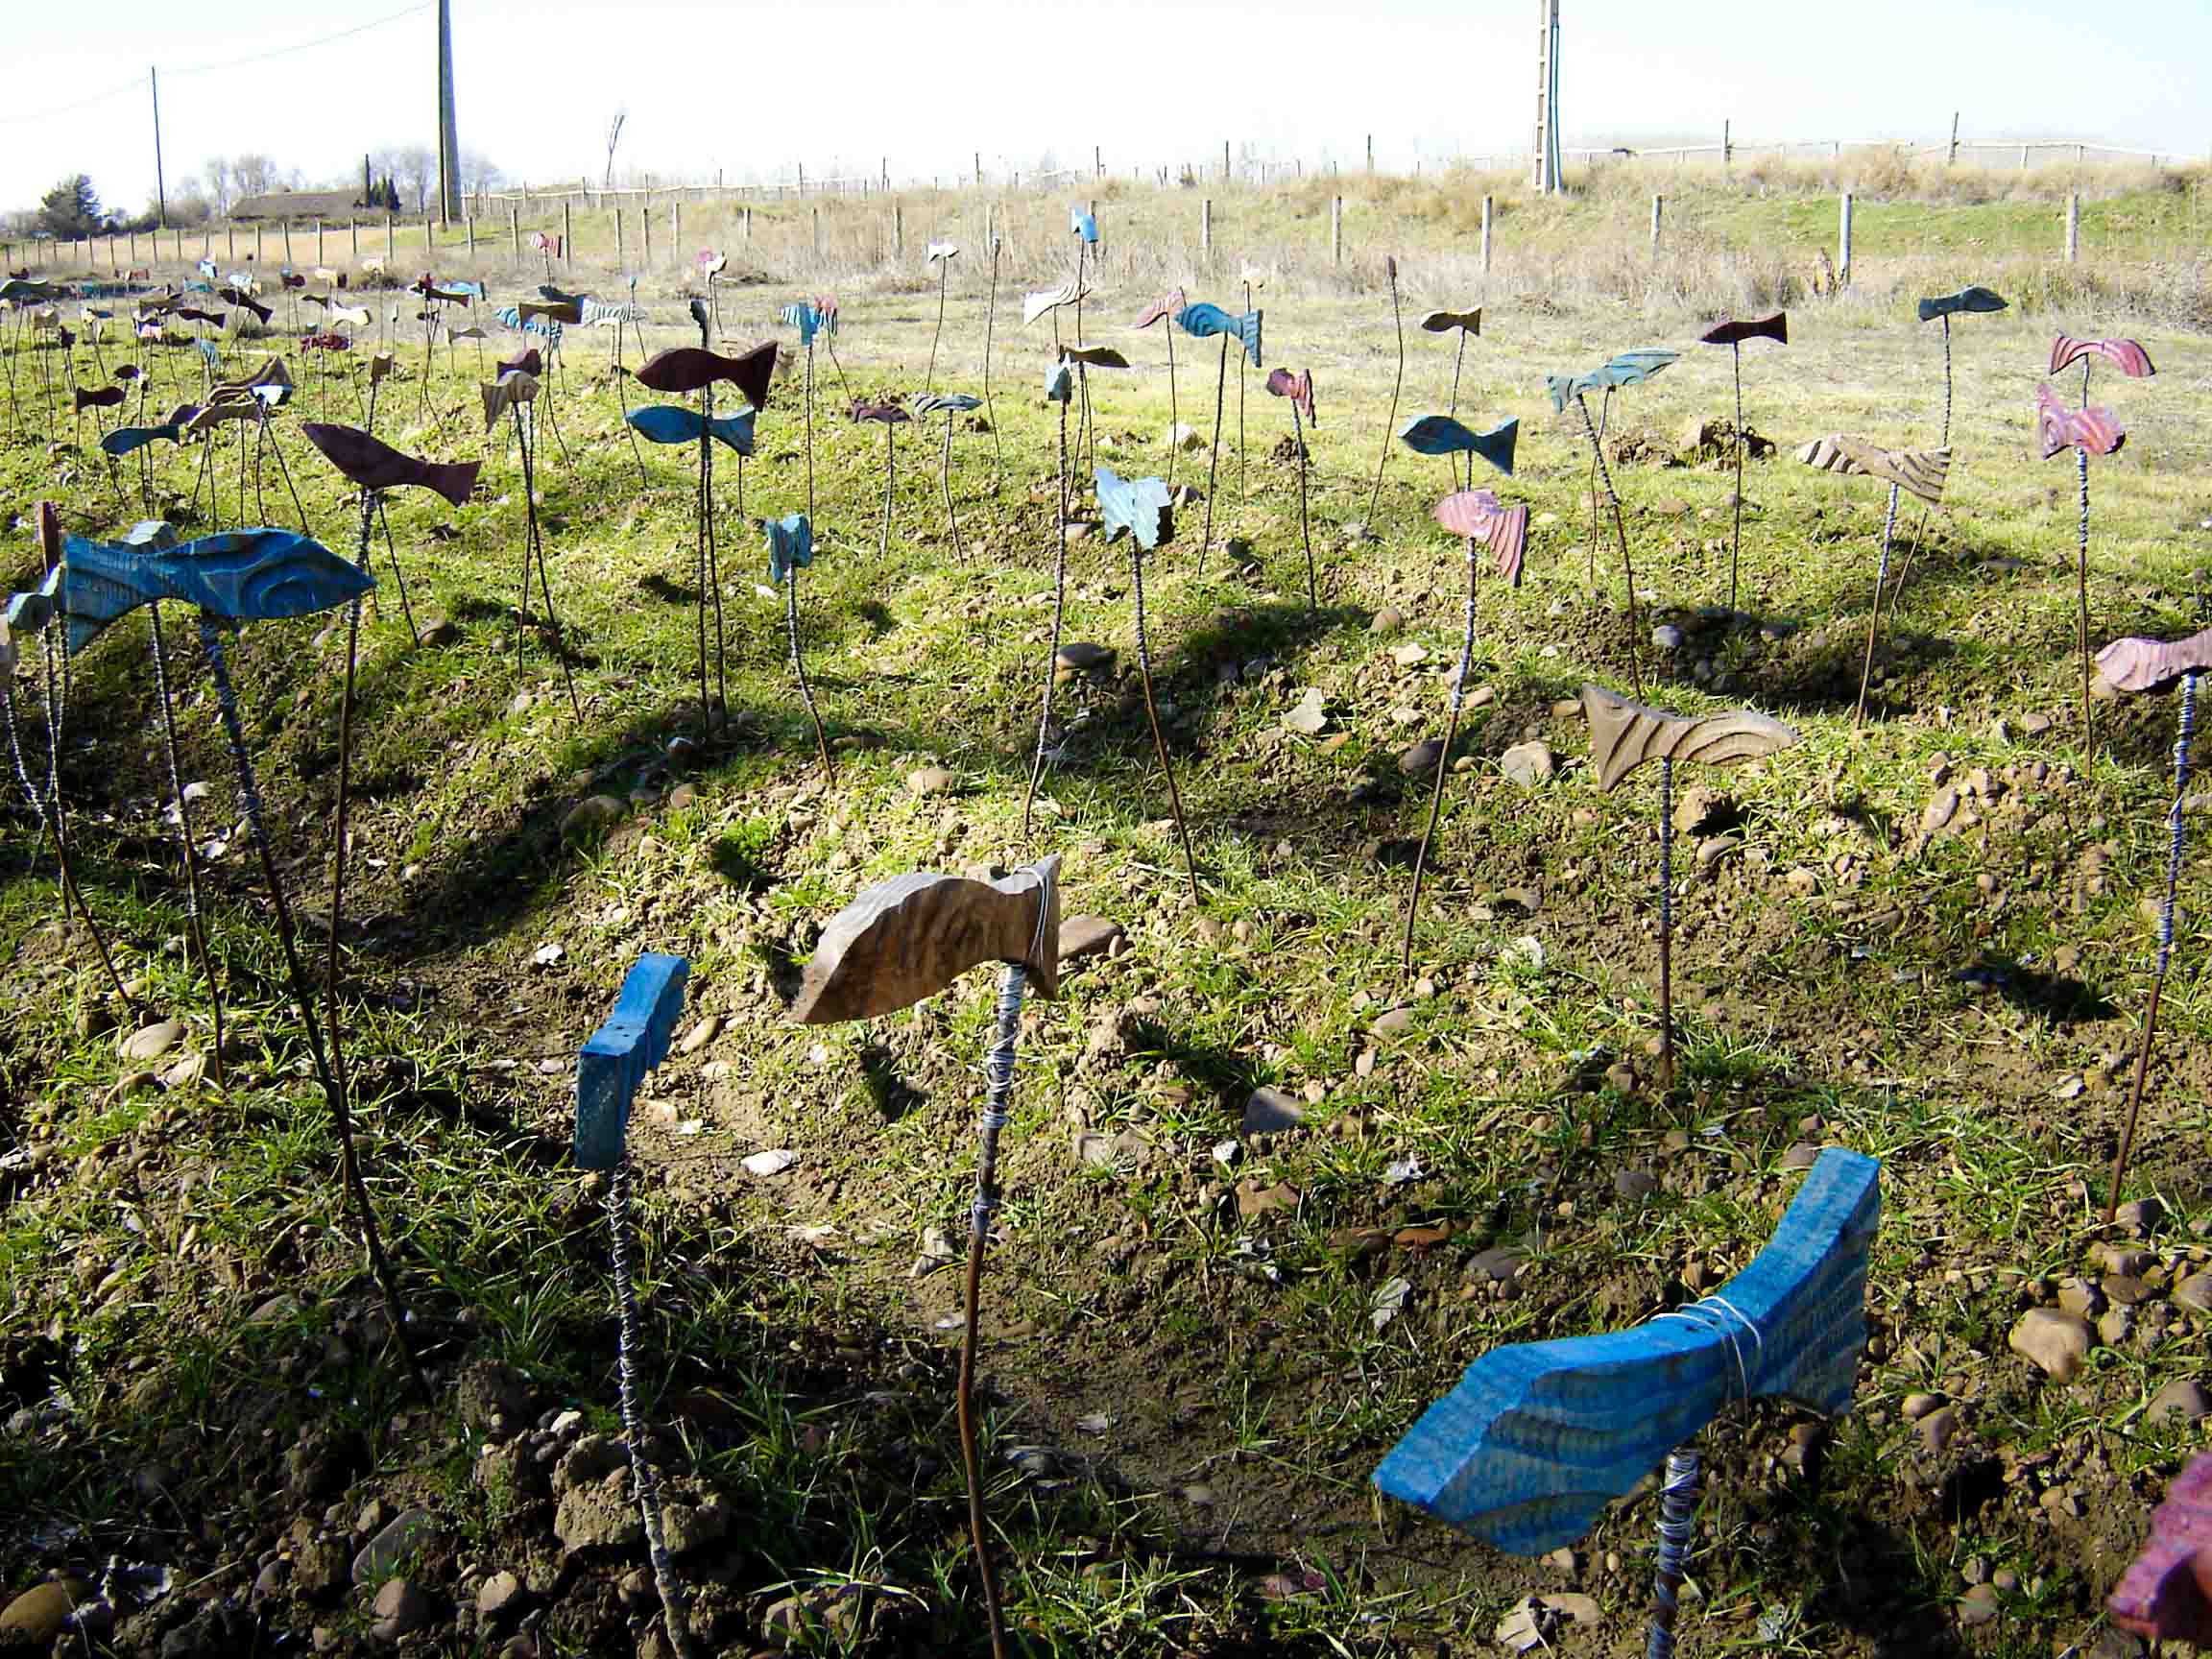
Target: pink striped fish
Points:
(1481, 516)
(2092, 431)
(2126, 355)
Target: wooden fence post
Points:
(256, 243)
(1727, 144)
(568, 235)
(287, 244)
(514, 228)
(817, 232)
(468, 224)
(353, 228)
(1951, 157)
(646, 230)
(1658, 211)
(391, 242)
(2073, 228)
(1486, 211)
(1206, 230)
(319, 257)
(676, 229)
(898, 231)
(1336, 230)
(1843, 244)
(621, 251)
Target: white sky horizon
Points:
(839, 85)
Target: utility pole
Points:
(160, 188)
(448, 142)
(1544, 175)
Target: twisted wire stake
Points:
(195, 926)
(1605, 419)
(1443, 759)
(1390, 427)
(1243, 495)
(1213, 466)
(998, 1075)
(1174, 407)
(952, 518)
(2175, 845)
(398, 570)
(1621, 530)
(1152, 711)
(1305, 527)
(1667, 924)
(799, 668)
(989, 327)
(1920, 524)
(2081, 583)
(1874, 619)
(1458, 358)
(339, 835)
(341, 1115)
(1052, 653)
(535, 543)
(944, 272)
(1736, 530)
(1677, 1516)
(641, 1473)
(890, 483)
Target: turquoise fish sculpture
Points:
(673, 424)
(1206, 320)
(1441, 435)
(1970, 299)
(612, 1066)
(1136, 505)
(125, 439)
(790, 545)
(240, 575)
(1629, 369)
(1538, 1437)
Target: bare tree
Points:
(414, 169)
(614, 137)
(254, 175)
(216, 170)
(479, 172)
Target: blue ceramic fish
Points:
(1083, 225)
(944, 403)
(1629, 369)
(1136, 505)
(125, 439)
(612, 1066)
(1441, 435)
(1966, 300)
(1207, 321)
(28, 612)
(209, 353)
(674, 423)
(1059, 383)
(1538, 1437)
(514, 319)
(207, 269)
(790, 544)
(241, 575)
(805, 318)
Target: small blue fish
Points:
(1629, 369)
(199, 288)
(1441, 435)
(1972, 299)
(805, 318)
(612, 1066)
(1136, 505)
(125, 439)
(240, 575)
(207, 269)
(1083, 225)
(674, 423)
(944, 403)
(515, 319)
(28, 612)
(1207, 321)
(1059, 383)
(790, 544)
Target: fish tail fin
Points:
(454, 480)
(1497, 445)
(1248, 331)
(97, 587)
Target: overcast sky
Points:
(838, 84)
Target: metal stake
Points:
(1677, 1515)
(1874, 622)
(1443, 759)
(1059, 609)
(1620, 529)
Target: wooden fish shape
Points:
(379, 366)
(613, 1064)
(354, 316)
(291, 280)
(2136, 664)
(1095, 356)
(126, 438)
(906, 939)
(1072, 292)
(1140, 506)
(241, 575)
(213, 413)
(1481, 516)
(1207, 321)
(271, 373)
(944, 403)
(1441, 435)
(790, 544)
(690, 368)
(1538, 1437)
(96, 398)
(373, 463)
(331, 342)
(1298, 388)
(1966, 300)
(1735, 331)
(2126, 355)
(547, 291)
(193, 314)
(708, 262)
(2160, 1589)
(1444, 322)
(1629, 369)
(528, 362)
(1623, 735)
(1166, 307)
(508, 392)
(2092, 431)
(552, 310)
(675, 423)
(941, 250)
(238, 296)
(1919, 472)
(458, 293)
(891, 412)
(467, 331)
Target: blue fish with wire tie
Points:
(126, 438)
(1441, 435)
(28, 612)
(1083, 225)
(805, 318)
(1971, 298)
(613, 1064)
(1136, 505)
(1629, 369)
(240, 575)
(676, 423)
(1207, 321)
(1059, 383)
(944, 403)
(790, 544)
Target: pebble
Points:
(1937, 1426)
(1083, 936)
(497, 1594)
(2194, 1293)
(401, 1538)
(152, 1042)
(35, 1618)
(1270, 1112)
(1080, 656)
(1940, 811)
(591, 817)
(1423, 758)
(771, 1162)
(1388, 620)
(1633, 1184)
(931, 780)
(1978, 1606)
(2183, 1396)
(1186, 437)
(402, 1608)
(701, 1034)
(1396, 1022)
(1919, 1406)
(1666, 637)
(2056, 1341)
(1528, 764)
(1309, 714)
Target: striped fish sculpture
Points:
(1735, 331)
(1966, 300)
(691, 368)
(1299, 388)
(240, 575)
(808, 317)
(1207, 321)
(2126, 355)
(1624, 735)
(1166, 306)
(613, 1064)
(512, 316)
(944, 403)
(2137, 665)
(2161, 1594)
(676, 423)
(508, 392)
(126, 438)
(790, 544)
(2092, 431)
(1444, 322)
(904, 940)
(1538, 1437)
(1629, 369)
(373, 463)
(606, 314)
(1072, 292)
(1441, 435)
(1919, 472)
(1137, 505)
(1479, 515)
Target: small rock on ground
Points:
(1528, 764)
(2056, 1341)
